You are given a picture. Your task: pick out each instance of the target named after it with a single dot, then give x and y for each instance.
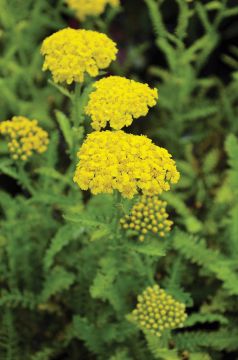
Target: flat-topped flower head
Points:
(85, 8)
(118, 100)
(157, 311)
(148, 216)
(114, 160)
(70, 54)
(24, 137)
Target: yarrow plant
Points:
(73, 267)
(70, 54)
(24, 137)
(85, 8)
(118, 161)
(157, 311)
(148, 216)
(118, 100)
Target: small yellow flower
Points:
(84, 8)
(114, 160)
(70, 53)
(157, 311)
(118, 100)
(24, 137)
(159, 224)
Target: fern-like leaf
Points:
(158, 350)
(15, 299)
(224, 339)
(82, 329)
(56, 281)
(9, 342)
(63, 237)
(197, 252)
(205, 318)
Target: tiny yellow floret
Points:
(70, 54)
(84, 8)
(156, 311)
(24, 137)
(159, 225)
(114, 160)
(118, 100)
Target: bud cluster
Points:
(24, 137)
(157, 311)
(148, 216)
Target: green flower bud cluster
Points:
(148, 216)
(157, 311)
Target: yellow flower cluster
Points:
(148, 215)
(118, 161)
(70, 53)
(86, 8)
(157, 311)
(118, 100)
(25, 137)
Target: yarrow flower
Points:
(118, 161)
(24, 137)
(118, 100)
(70, 53)
(86, 8)
(148, 216)
(157, 311)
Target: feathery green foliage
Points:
(69, 273)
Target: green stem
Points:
(150, 269)
(76, 113)
(23, 178)
(117, 207)
(80, 100)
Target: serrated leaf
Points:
(203, 318)
(86, 221)
(82, 329)
(157, 348)
(211, 160)
(58, 279)
(63, 237)
(54, 174)
(99, 234)
(150, 247)
(65, 127)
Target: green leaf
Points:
(224, 339)
(231, 146)
(61, 89)
(151, 247)
(203, 318)
(63, 237)
(157, 348)
(45, 354)
(85, 220)
(102, 284)
(192, 224)
(156, 18)
(211, 160)
(183, 19)
(7, 169)
(65, 127)
(213, 5)
(54, 174)
(17, 299)
(82, 329)
(197, 252)
(56, 281)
